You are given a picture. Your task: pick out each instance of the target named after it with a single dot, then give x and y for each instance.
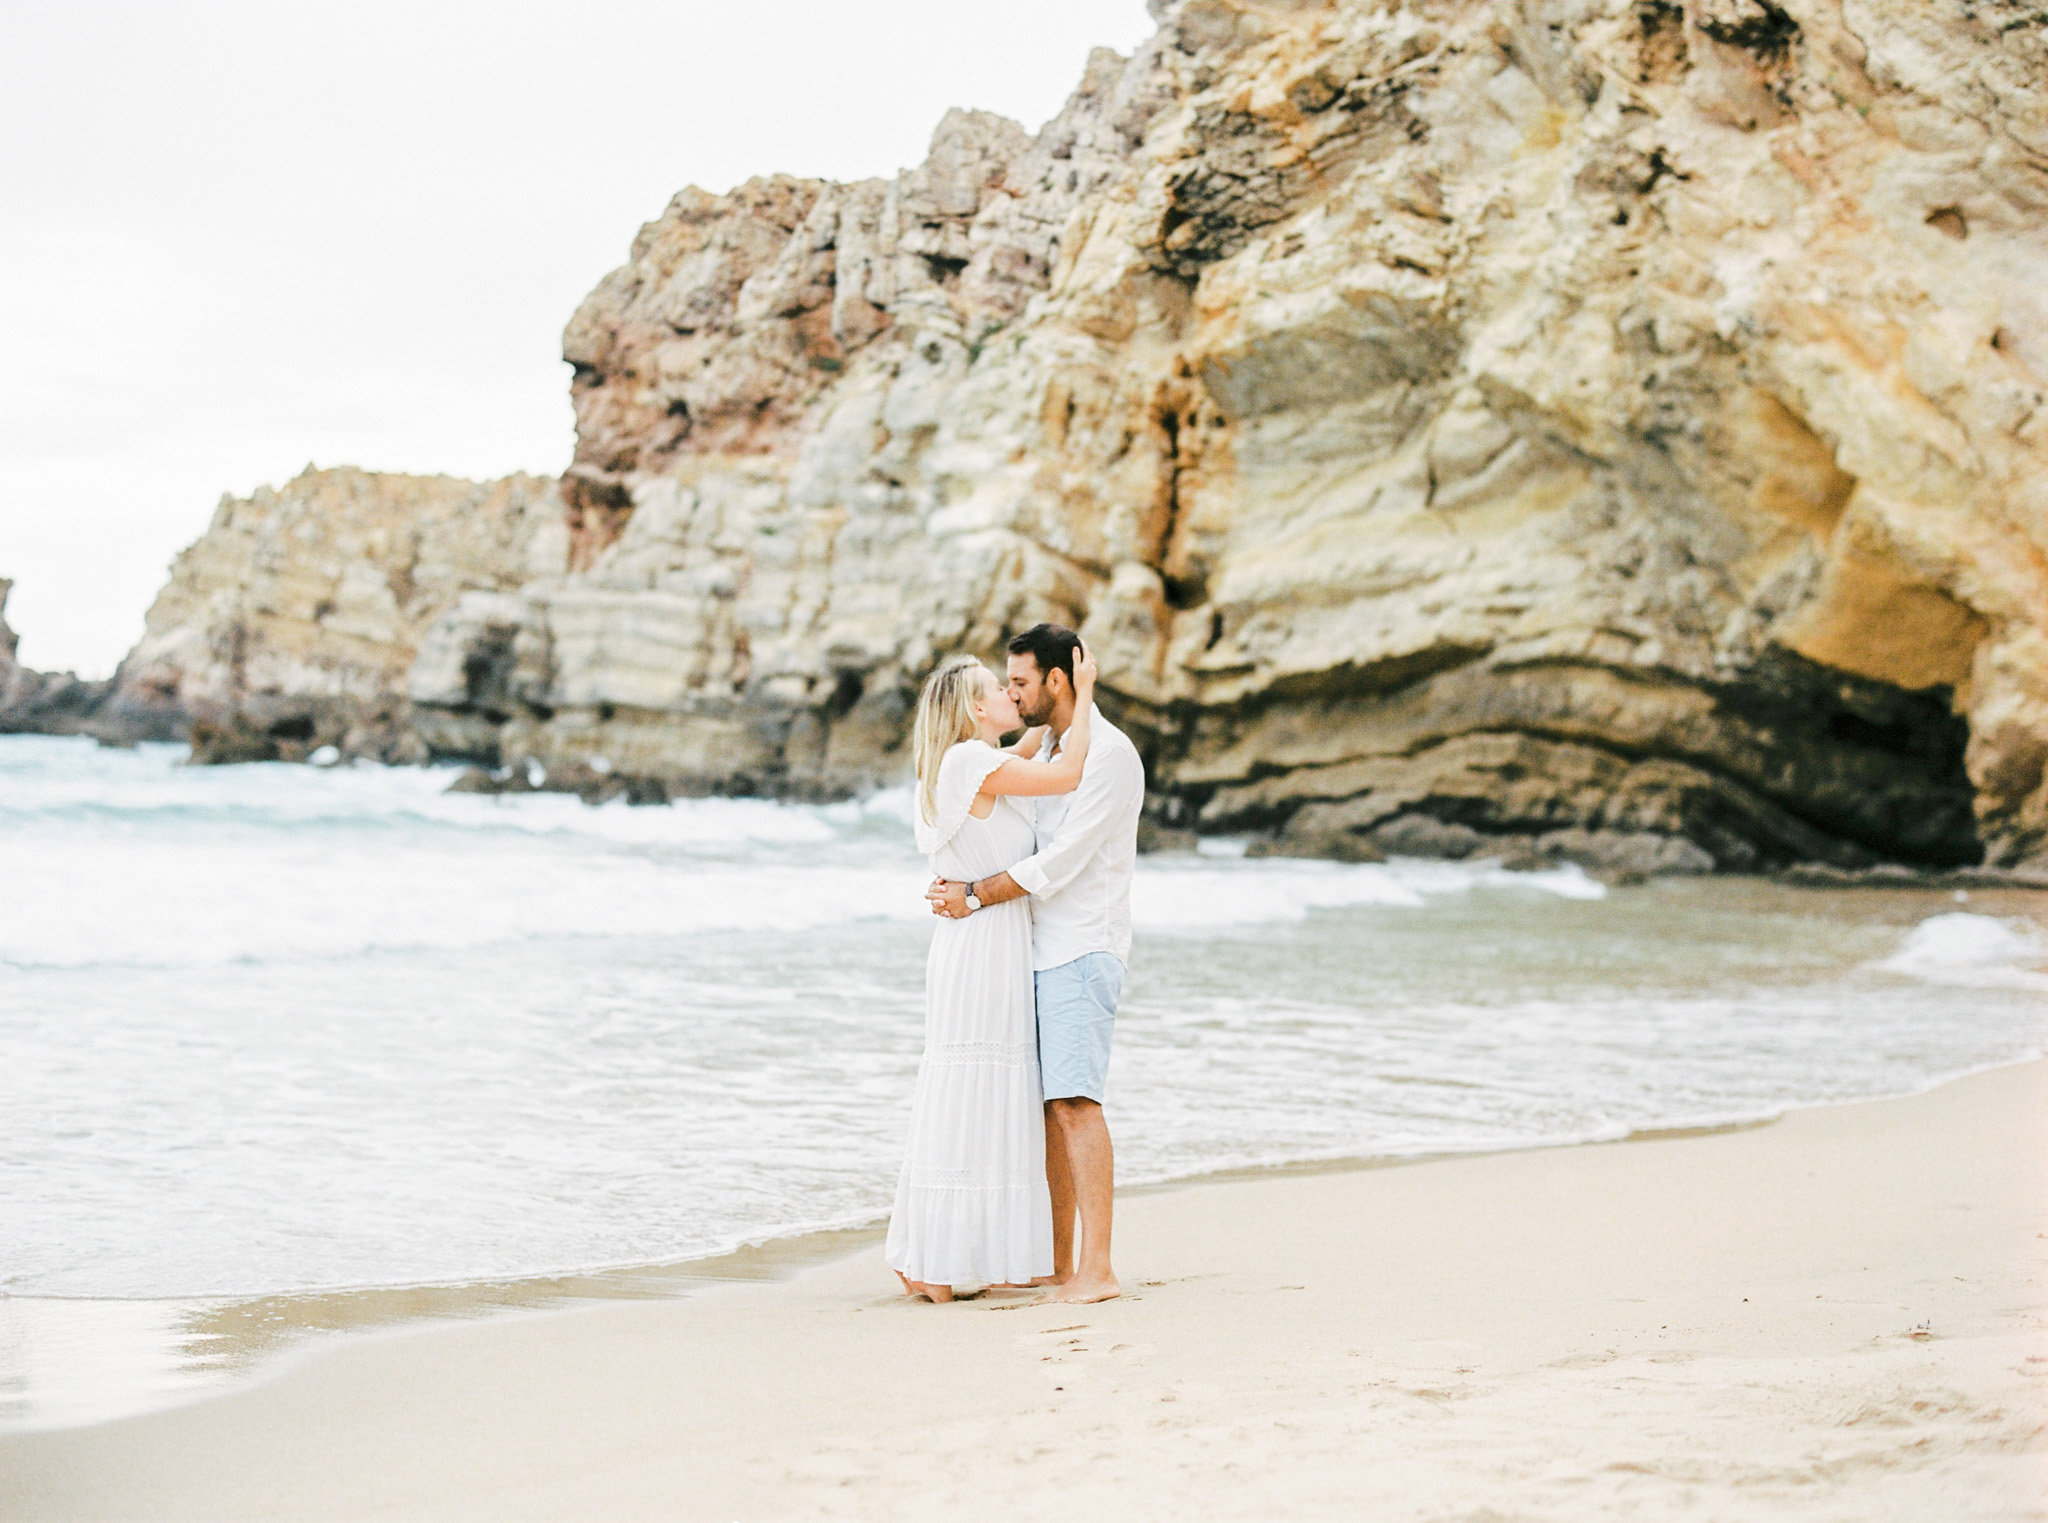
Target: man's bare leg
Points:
(1059, 1179)
(1093, 1167)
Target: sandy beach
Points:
(1519, 534)
(1839, 1315)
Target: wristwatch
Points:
(973, 903)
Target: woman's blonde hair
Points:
(945, 717)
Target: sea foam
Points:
(154, 864)
(1975, 951)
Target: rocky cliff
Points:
(292, 623)
(1602, 428)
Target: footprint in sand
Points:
(1072, 1343)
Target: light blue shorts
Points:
(1076, 1019)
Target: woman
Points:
(971, 1204)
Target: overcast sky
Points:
(241, 237)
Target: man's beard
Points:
(1039, 713)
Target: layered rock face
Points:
(292, 622)
(1610, 429)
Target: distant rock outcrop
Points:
(1601, 429)
(291, 624)
(57, 703)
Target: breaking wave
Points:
(159, 865)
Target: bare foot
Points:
(1051, 1279)
(1013, 1295)
(937, 1294)
(1078, 1291)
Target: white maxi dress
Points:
(971, 1203)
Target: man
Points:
(1079, 880)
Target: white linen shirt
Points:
(1079, 879)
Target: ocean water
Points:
(277, 1042)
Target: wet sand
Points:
(1840, 1315)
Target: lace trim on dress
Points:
(991, 1054)
(961, 773)
(968, 1179)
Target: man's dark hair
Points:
(1051, 646)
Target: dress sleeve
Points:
(961, 773)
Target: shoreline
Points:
(250, 1338)
(777, 1379)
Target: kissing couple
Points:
(1032, 846)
